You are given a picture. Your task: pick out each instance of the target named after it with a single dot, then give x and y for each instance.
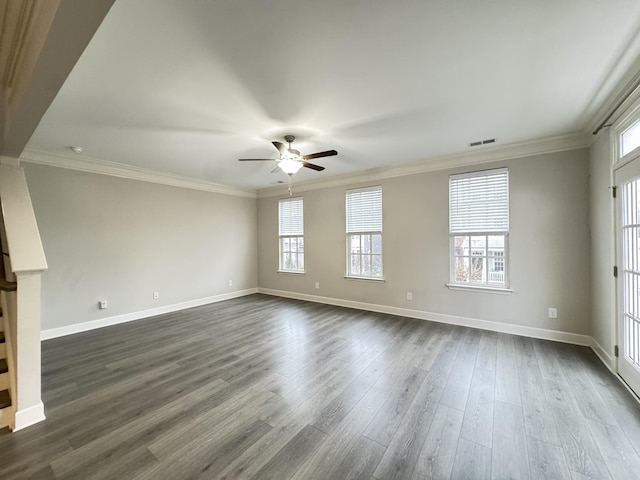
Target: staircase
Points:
(21, 268)
(6, 407)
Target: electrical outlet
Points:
(409, 296)
(553, 312)
(231, 283)
(317, 284)
(155, 295)
(102, 304)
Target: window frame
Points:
(486, 254)
(351, 233)
(299, 254)
(350, 273)
(621, 126)
(295, 235)
(633, 124)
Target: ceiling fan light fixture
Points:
(289, 166)
(291, 160)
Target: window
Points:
(627, 135)
(364, 232)
(630, 139)
(496, 266)
(291, 231)
(479, 228)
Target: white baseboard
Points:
(534, 332)
(32, 415)
(602, 355)
(129, 317)
(609, 362)
(29, 416)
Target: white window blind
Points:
(479, 202)
(290, 214)
(364, 209)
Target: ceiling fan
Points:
(290, 160)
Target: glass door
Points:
(628, 233)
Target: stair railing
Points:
(23, 265)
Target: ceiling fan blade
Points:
(328, 153)
(312, 166)
(255, 159)
(276, 170)
(280, 146)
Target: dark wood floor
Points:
(269, 388)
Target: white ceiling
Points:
(187, 87)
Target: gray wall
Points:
(549, 246)
(602, 248)
(121, 240)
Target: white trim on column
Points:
(129, 317)
(29, 416)
(523, 330)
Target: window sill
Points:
(366, 279)
(291, 272)
(478, 288)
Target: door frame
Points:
(618, 164)
(628, 370)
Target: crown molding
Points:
(113, 169)
(474, 156)
(632, 98)
(627, 71)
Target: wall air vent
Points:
(482, 142)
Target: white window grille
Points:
(291, 232)
(631, 270)
(495, 271)
(479, 228)
(364, 232)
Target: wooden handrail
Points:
(7, 286)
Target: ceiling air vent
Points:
(482, 142)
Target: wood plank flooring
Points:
(268, 388)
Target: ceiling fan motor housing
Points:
(294, 154)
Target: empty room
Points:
(319, 240)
